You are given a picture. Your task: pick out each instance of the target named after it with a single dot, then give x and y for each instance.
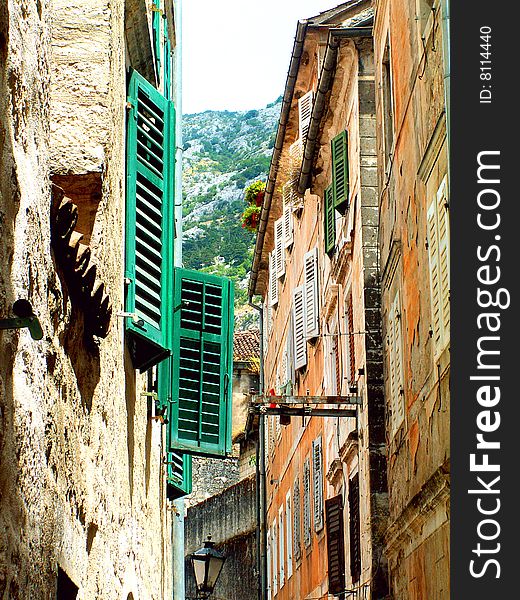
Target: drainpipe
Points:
(260, 492)
(292, 74)
(179, 591)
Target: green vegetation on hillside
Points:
(224, 152)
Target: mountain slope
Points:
(224, 152)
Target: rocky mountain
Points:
(224, 152)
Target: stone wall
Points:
(230, 519)
(82, 480)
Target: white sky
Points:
(236, 52)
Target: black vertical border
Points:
(477, 127)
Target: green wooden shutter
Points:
(330, 220)
(202, 364)
(167, 67)
(149, 214)
(179, 480)
(340, 171)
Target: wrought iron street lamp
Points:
(207, 564)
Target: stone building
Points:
(316, 268)
(412, 83)
(224, 499)
(99, 416)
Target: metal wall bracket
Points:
(25, 317)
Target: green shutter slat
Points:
(330, 220)
(340, 171)
(202, 346)
(149, 231)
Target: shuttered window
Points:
(279, 247)
(273, 279)
(354, 527)
(178, 464)
(281, 534)
(178, 475)
(304, 114)
(297, 520)
(335, 544)
(200, 420)
(149, 234)
(395, 371)
(317, 464)
(274, 557)
(289, 536)
(288, 222)
(439, 263)
(340, 171)
(300, 345)
(329, 215)
(311, 293)
(307, 517)
(351, 340)
(269, 565)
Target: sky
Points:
(236, 52)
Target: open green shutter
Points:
(202, 364)
(330, 220)
(149, 207)
(179, 480)
(340, 171)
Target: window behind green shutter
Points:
(340, 171)
(330, 220)
(202, 364)
(150, 164)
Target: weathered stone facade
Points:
(343, 353)
(413, 173)
(82, 479)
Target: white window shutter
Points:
(275, 558)
(396, 365)
(311, 293)
(269, 564)
(273, 280)
(444, 260)
(265, 322)
(279, 247)
(304, 114)
(317, 460)
(288, 536)
(288, 224)
(435, 285)
(281, 532)
(300, 344)
(297, 521)
(307, 518)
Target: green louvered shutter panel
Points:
(167, 68)
(149, 214)
(340, 171)
(330, 220)
(202, 364)
(179, 480)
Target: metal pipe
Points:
(179, 585)
(277, 151)
(260, 491)
(445, 17)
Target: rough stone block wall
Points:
(230, 519)
(82, 479)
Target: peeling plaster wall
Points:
(81, 478)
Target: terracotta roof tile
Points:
(246, 344)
